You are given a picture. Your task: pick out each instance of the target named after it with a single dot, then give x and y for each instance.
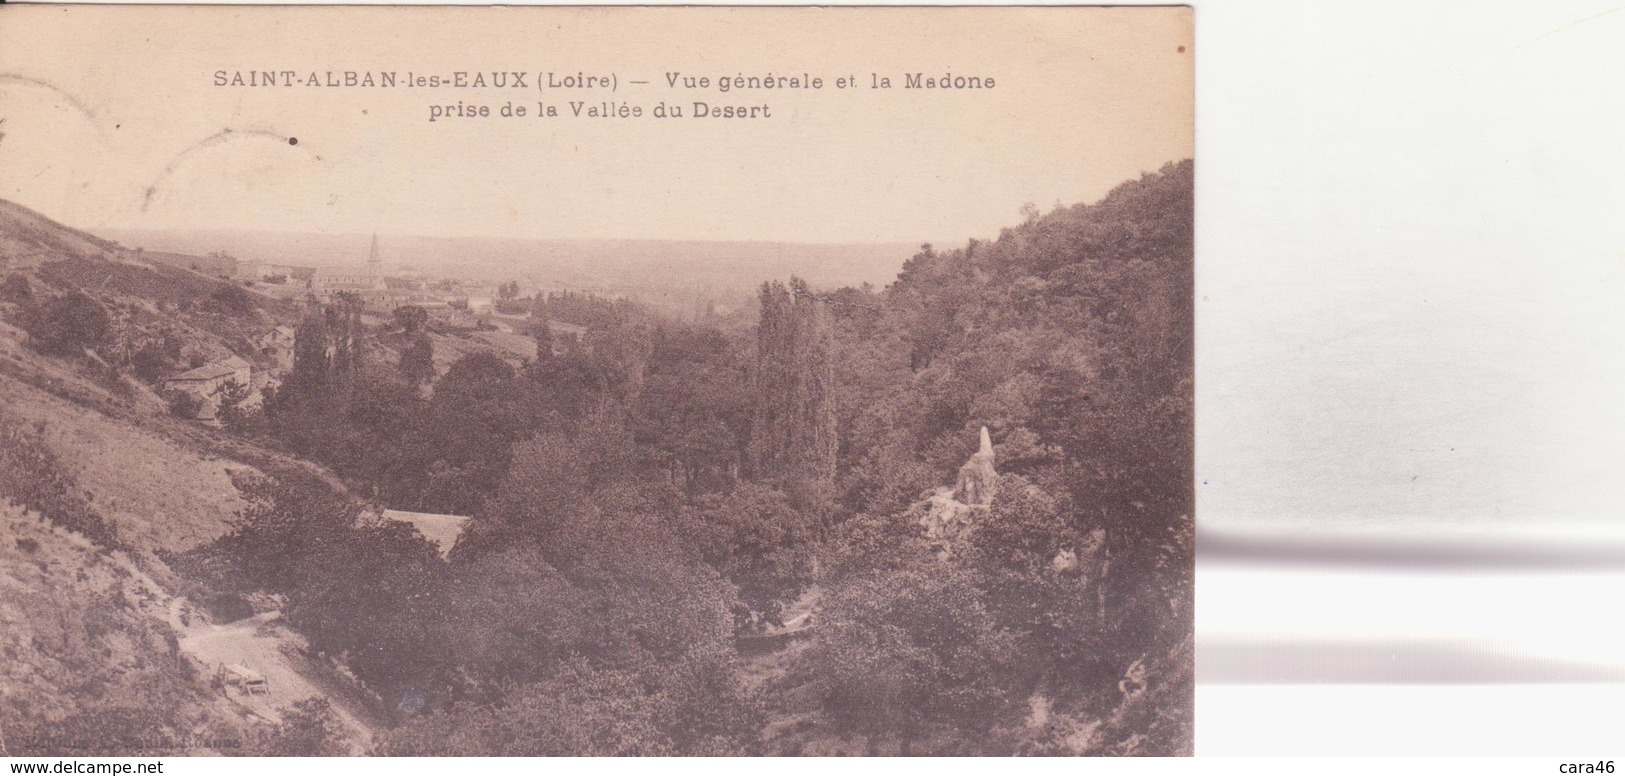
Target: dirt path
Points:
(261, 643)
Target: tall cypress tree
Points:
(793, 425)
(326, 349)
(312, 361)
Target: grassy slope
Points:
(148, 474)
(158, 493)
(88, 666)
(90, 659)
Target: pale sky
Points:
(111, 119)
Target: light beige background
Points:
(112, 120)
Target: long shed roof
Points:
(441, 530)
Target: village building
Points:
(458, 317)
(327, 283)
(208, 384)
(276, 347)
(287, 273)
(376, 296)
(406, 285)
(370, 286)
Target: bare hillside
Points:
(87, 664)
(157, 493)
(28, 238)
(99, 483)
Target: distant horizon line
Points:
(99, 229)
(383, 234)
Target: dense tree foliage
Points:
(652, 501)
(308, 729)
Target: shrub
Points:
(183, 404)
(231, 300)
(155, 358)
(16, 289)
(69, 324)
(308, 729)
(229, 607)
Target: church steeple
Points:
(374, 261)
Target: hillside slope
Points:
(28, 238)
(160, 482)
(101, 652)
(89, 667)
(157, 493)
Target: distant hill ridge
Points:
(26, 235)
(685, 264)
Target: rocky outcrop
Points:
(947, 513)
(943, 517)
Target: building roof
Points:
(218, 369)
(363, 280)
(441, 530)
(567, 328)
(278, 333)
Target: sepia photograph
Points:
(586, 381)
